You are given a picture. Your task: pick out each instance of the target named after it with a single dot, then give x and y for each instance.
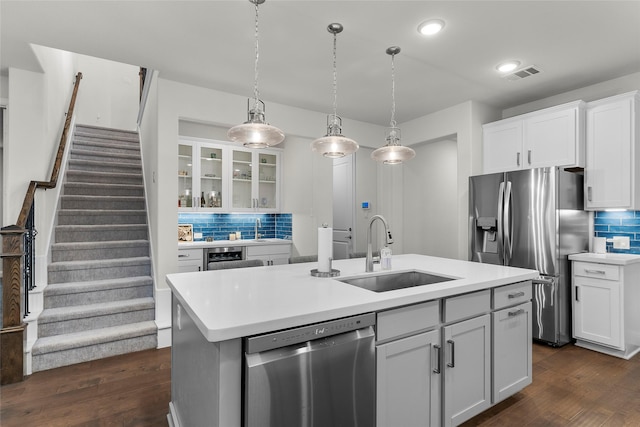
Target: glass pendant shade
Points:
(393, 152)
(334, 145)
(255, 132)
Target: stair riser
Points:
(88, 177)
(46, 361)
(96, 322)
(100, 156)
(102, 203)
(95, 297)
(80, 165)
(100, 236)
(71, 189)
(101, 273)
(107, 147)
(101, 219)
(117, 134)
(58, 255)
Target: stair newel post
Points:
(12, 334)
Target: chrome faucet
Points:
(389, 240)
(258, 224)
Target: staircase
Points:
(99, 298)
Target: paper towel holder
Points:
(332, 273)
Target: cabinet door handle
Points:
(438, 350)
(577, 299)
(529, 156)
(515, 312)
(516, 294)
(588, 271)
(518, 159)
(183, 255)
(452, 364)
(589, 191)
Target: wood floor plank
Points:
(571, 386)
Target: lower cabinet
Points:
(512, 352)
(270, 254)
(190, 260)
(467, 369)
(408, 385)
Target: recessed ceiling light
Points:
(431, 27)
(507, 66)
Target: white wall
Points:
(366, 191)
(589, 93)
(109, 95)
(431, 182)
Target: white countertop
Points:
(201, 244)
(617, 259)
(228, 304)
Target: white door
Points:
(343, 206)
(597, 311)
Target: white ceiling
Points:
(210, 44)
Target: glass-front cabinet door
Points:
(241, 183)
(267, 181)
(211, 170)
(185, 176)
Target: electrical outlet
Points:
(621, 242)
(197, 235)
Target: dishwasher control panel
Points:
(301, 334)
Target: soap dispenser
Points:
(385, 258)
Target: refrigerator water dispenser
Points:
(488, 227)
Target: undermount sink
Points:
(395, 281)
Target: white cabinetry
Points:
(408, 366)
(255, 184)
(605, 300)
(613, 153)
(270, 254)
(512, 338)
(549, 137)
(216, 176)
(190, 260)
(467, 357)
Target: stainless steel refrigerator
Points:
(532, 219)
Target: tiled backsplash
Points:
(220, 225)
(623, 223)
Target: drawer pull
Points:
(594, 271)
(183, 255)
(516, 294)
(438, 350)
(516, 312)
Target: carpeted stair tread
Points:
(90, 264)
(70, 251)
(96, 285)
(105, 156)
(100, 227)
(84, 188)
(92, 337)
(58, 314)
(79, 164)
(103, 177)
(92, 245)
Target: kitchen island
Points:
(212, 311)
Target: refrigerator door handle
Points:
(508, 226)
(501, 222)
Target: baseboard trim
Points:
(172, 416)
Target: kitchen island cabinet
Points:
(212, 311)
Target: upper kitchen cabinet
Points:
(613, 154)
(256, 180)
(549, 137)
(218, 177)
(200, 176)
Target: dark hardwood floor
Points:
(571, 387)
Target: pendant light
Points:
(256, 132)
(393, 152)
(334, 144)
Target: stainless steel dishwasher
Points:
(312, 376)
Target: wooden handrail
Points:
(53, 181)
(13, 327)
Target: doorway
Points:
(343, 206)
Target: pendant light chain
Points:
(393, 91)
(335, 75)
(256, 93)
